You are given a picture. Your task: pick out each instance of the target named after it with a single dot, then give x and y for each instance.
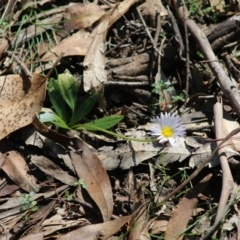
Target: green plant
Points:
(80, 183)
(68, 196)
(199, 8)
(178, 98)
(28, 202)
(63, 96)
(200, 55)
(160, 86)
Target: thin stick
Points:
(198, 170)
(54, 65)
(20, 63)
(209, 232)
(227, 179)
(147, 31)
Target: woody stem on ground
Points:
(228, 87)
(227, 179)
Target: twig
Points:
(188, 72)
(147, 31)
(155, 42)
(227, 179)
(117, 83)
(177, 32)
(238, 226)
(228, 87)
(54, 65)
(198, 170)
(216, 223)
(20, 63)
(122, 41)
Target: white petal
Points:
(172, 142)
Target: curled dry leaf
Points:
(16, 168)
(89, 168)
(20, 100)
(76, 45)
(101, 231)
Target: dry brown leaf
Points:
(159, 225)
(76, 45)
(3, 46)
(16, 168)
(89, 168)
(179, 220)
(34, 30)
(53, 170)
(20, 100)
(82, 16)
(8, 189)
(101, 231)
(59, 222)
(138, 223)
(10, 222)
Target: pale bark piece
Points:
(182, 214)
(230, 124)
(89, 168)
(95, 74)
(120, 10)
(101, 231)
(127, 155)
(16, 168)
(20, 100)
(34, 236)
(50, 168)
(205, 151)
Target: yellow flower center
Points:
(167, 132)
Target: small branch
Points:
(147, 31)
(198, 170)
(209, 232)
(20, 63)
(227, 179)
(188, 72)
(228, 87)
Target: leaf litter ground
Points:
(135, 56)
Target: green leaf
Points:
(56, 98)
(68, 87)
(84, 109)
(49, 116)
(103, 123)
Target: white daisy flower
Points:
(169, 129)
